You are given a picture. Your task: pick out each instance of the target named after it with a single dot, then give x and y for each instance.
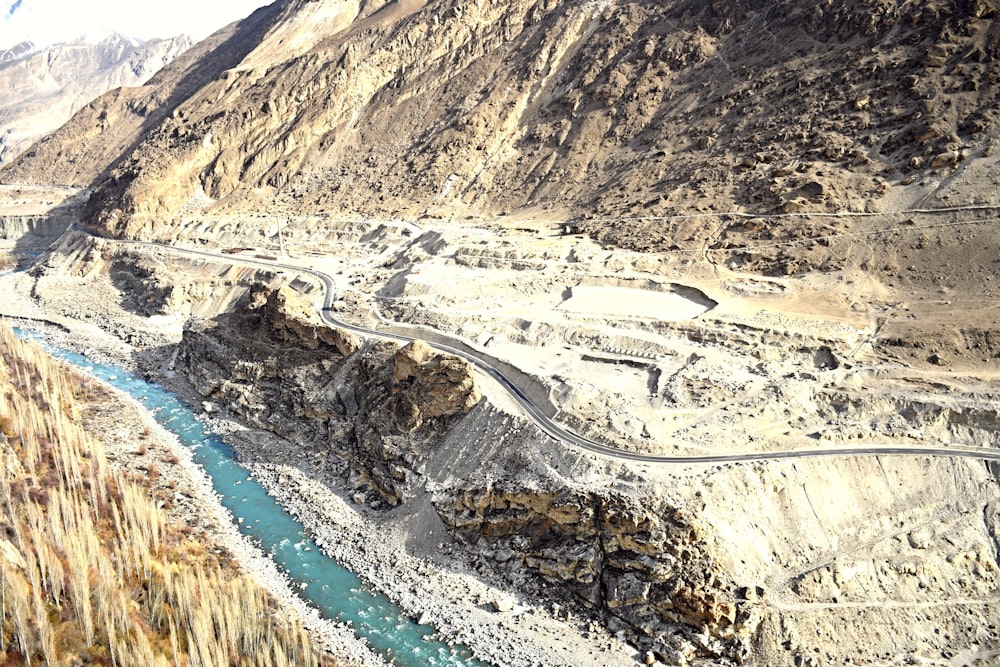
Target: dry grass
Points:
(91, 572)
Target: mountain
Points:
(606, 110)
(17, 51)
(110, 127)
(40, 89)
(821, 176)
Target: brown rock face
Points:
(277, 367)
(626, 112)
(291, 320)
(428, 384)
(280, 339)
(644, 560)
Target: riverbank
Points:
(140, 448)
(431, 580)
(435, 587)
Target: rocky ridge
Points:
(621, 112)
(44, 88)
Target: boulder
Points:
(504, 605)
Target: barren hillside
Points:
(109, 128)
(761, 233)
(617, 112)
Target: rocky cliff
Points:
(621, 112)
(41, 89)
(401, 418)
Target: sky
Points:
(50, 21)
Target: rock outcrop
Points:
(402, 420)
(290, 320)
(640, 559)
(427, 384)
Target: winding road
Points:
(533, 411)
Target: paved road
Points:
(541, 420)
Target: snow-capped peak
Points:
(49, 22)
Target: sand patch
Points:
(627, 302)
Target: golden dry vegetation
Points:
(91, 571)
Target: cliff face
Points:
(628, 110)
(427, 384)
(637, 558)
(41, 90)
(402, 420)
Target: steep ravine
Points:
(842, 560)
(750, 563)
(410, 423)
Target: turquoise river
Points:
(337, 592)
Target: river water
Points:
(336, 591)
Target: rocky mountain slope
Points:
(618, 111)
(108, 128)
(40, 89)
(693, 228)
